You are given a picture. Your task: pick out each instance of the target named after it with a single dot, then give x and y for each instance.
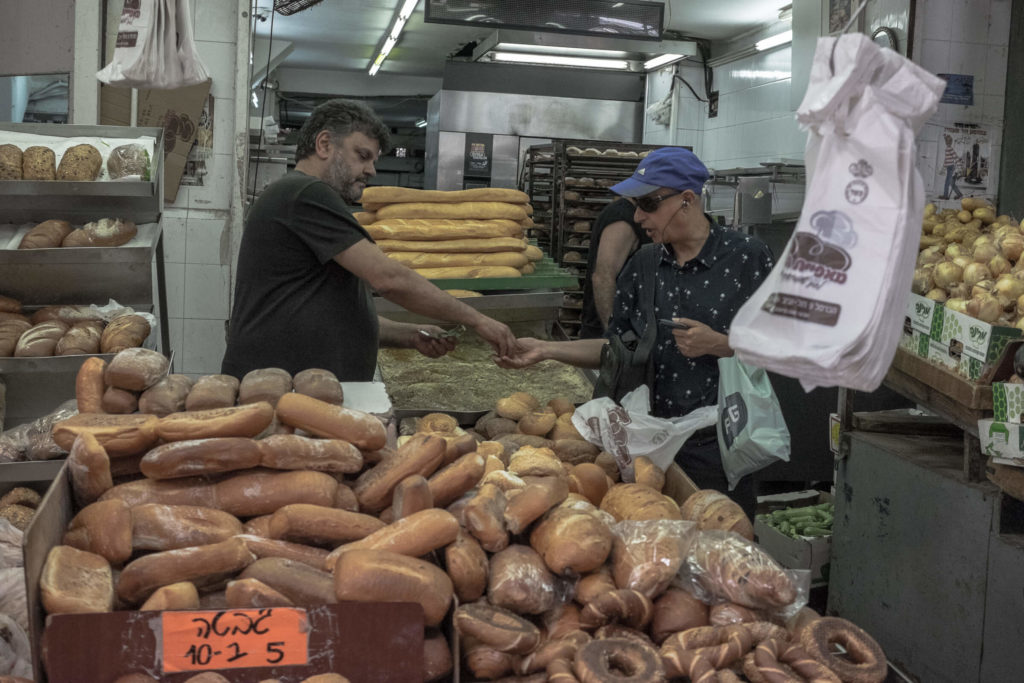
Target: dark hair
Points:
(341, 118)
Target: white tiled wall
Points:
(964, 37)
(197, 225)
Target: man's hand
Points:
(428, 346)
(700, 340)
(497, 335)
(530, 351)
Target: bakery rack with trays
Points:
(131, 274)
(536, 180)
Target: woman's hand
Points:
(700, 340)
(529, 351)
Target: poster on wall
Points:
(201, 154)
(963, 167)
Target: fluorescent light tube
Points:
(408, 7)
(558, 60)
(774, 41)
(661, 60)
(422, 123)
(559, 50)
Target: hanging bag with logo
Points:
(831, 311)
(752, 433)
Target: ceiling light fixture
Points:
(391, 39)
(661, 60)
(559, 50)
(558, 60)
(774, 41)
(422, 123)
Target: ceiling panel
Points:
(344, 34)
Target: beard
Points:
(343, 180)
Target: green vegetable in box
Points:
(807, 521)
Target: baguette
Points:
(103, 528)
(448, 484)
(422, 454)
(200, 457)
(120, 435)
(540, 495)
(321, 525)
(468, 272)
(458, 210)
(452, 246)
(201, 564)
(362, 430)
(196, 491)
(413, 259)
(89, 467)
(46, 235)
(181, 595)
(253, 593)
(466, 563)
(381, 576)
(300, 583)
(89, 385)
(264, 492)
(484, 517)
(442, 229)
(239, 421)
(168, 527)
(415, 536)
(272, 547)
(381, 195)
(411, 496)
(292, 452)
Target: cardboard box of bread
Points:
(65, 331)
(452, 235)
(555, 566)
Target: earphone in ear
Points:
(685, 203)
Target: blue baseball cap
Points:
(672, 167)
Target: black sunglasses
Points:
(650, 203)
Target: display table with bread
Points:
(80, 211)
(277, 495)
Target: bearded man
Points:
(306, 267)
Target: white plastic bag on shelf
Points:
(832, 309)
(154, 47)
(628, 431)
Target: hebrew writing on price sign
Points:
(234, 639)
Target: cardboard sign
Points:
(234, 639)
(178, 112)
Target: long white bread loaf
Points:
(396, 195)
(442, 229)
(485, 245)
(414, 259)
(478, 210)
(468, 272)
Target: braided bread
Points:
(728, 566)
(497, 628)
(865, 663)
(618, 660)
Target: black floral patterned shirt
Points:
(709, 288)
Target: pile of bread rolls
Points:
(291, 499)
(106, 232)
(452, 235)
(82, 162)
(65, 331)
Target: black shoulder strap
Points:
(649, 258)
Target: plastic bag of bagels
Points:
(722, 566)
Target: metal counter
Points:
(531, 305)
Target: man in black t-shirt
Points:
(306, 267)
(613, 239)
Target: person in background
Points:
(613, 239)
(704, 274)
(306, 267)
(949, 162)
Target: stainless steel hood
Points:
(581, 46)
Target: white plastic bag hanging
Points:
(831, 310)
(628, 431)
(154, 47)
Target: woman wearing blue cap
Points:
(702, 274)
